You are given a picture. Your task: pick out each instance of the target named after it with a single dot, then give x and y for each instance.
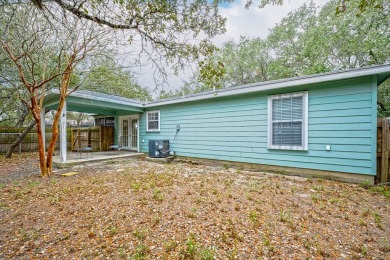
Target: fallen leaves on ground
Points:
(23, 165)
(145, 210)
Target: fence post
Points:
(89, 144)
(385, 150)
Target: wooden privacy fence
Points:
(99, 138)
(383, 150)
(29, 143)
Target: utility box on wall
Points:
(158, 148)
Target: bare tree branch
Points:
(17, 63)
(81, 14)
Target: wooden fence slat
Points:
(29, 144)
(385, 150)
(99, 138)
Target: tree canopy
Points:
(308, 41)
(107, 76)
(45, 47)
(166, 33)
(341, 7)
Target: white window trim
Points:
(147, 121)
(305, 125)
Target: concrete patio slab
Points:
(75, 158)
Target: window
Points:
(99, 121)
(110, 121)
(105, 121)
(287, 121)
(153, 121)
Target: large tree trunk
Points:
(63, 93)
(19, 139)
(41, 150)
(54, 132)
(25, 112)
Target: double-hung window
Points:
(288, 121)
(153, 121)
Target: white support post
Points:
(63, 134)
(43, 127)
(138, 134)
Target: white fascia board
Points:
(103, 99)
(277, 84)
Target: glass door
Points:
(134, 134)
(125, 133)
(129, 133)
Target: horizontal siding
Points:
(236, 129)
(340, 98)
(249, 133)
(339, 113)
(263, 152)
(317, 165)
(341, 106)
(337, 119)
(249, 146)
(340, 127)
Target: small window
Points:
(287, 121)
(153, 121)
(110, 121)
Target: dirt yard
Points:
(143, 210)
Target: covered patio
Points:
(126, 113)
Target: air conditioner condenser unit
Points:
(158, 148)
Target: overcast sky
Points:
(252, 22)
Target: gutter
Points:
(97, 98)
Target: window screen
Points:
(287, 121)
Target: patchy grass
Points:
(315, 197)
(383, 190)
(140, 234)
(254, 217)
(173, 211)
(365, 184)
(285, 216)
(194, 250)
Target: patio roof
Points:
(94, 103)
(88, 102)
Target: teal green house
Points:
(323, 123)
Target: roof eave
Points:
(277, 84)
(52, 92)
